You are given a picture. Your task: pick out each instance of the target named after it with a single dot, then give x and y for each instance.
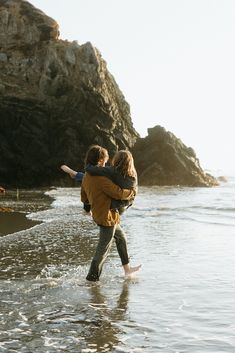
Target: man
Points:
(97, 191)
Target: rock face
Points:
(56, 98)
(162, 159)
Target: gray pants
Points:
(107, 234)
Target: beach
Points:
(11, 222)
(181, 301)
(16, 204)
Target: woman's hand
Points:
(69, 171)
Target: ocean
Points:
(182, 301)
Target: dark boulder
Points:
(222, 179)
(162, 159)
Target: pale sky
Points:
(174, 61)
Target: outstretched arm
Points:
(73, 174)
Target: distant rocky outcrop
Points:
(162, 159)
(222, 179)
(57, 98)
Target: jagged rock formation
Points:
(56, 98)
(162, 159)
(222, 179)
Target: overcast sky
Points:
(174, 61)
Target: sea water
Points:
(182, 301)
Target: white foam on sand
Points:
(66, 203)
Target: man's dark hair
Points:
(94, 154)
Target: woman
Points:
(98, 191)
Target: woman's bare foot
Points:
(130, 271)
(68, 170)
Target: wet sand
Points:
(11, 222)
(19, 204)
(182, 300)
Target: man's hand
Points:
(87, 213)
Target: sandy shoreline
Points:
(11, 222)
(26, 202)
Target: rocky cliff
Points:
(57, 98)
(162, 159)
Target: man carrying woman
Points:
(99, 192)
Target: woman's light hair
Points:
(124, 163)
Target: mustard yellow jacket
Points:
(98, 191)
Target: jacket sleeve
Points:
(84, 197)
(79, 176)
(99, 171)
(115, 192)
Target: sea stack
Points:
(162, 159)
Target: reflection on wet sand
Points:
(106, 333)
(60, 314)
